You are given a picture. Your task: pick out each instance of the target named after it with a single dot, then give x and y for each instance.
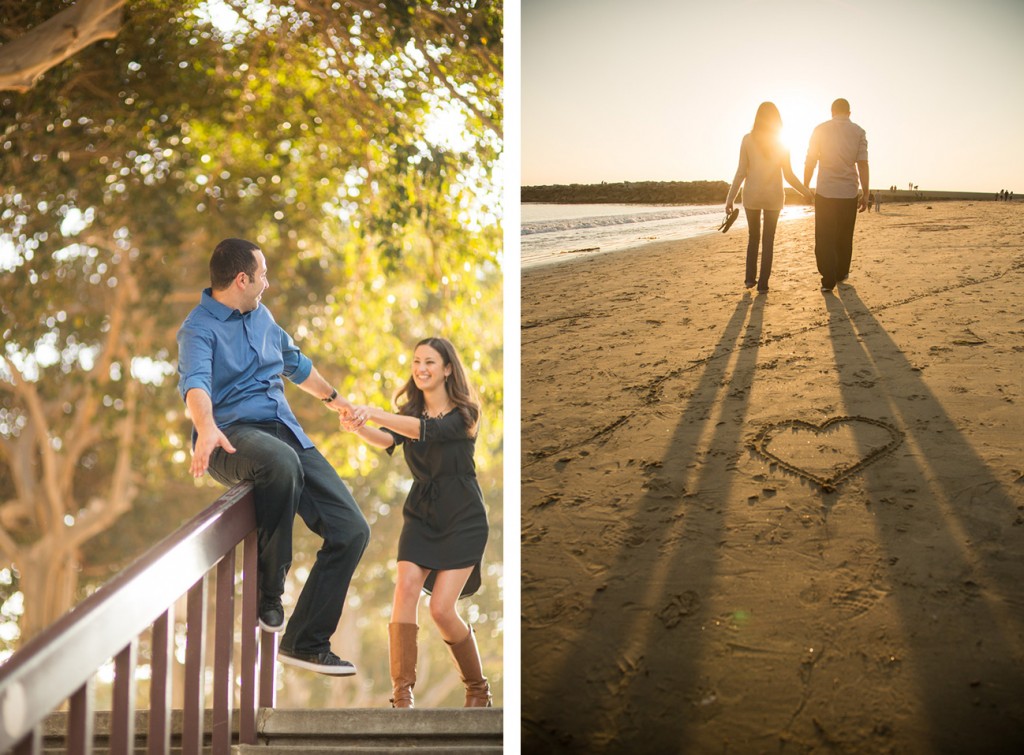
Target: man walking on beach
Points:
(232, 357)
(839, 148)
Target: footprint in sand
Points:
(550, 602)
(620, 535)
(811, 594)
(678, 608)
(856, 601)
(533, 534)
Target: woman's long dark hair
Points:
(410, 400)
(767, 129)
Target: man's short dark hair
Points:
(841, 106)
(231, 257)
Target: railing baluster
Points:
(268, 657)
(223, 649)
(32, 743)
(122, 724)
(162, 641)
(80, 720)
(250, 638)
(195, 670)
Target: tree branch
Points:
(8, 548)
(52, 42)
(19, 459)
(83, 432)
(53, 509)
(101, 513)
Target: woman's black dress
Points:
(445, 521)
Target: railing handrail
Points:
(53, 665)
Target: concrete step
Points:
(415, 749)
(442, 728)
(362, 731)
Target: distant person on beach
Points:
(839, 148)
(878, 201)
(871, 201)
(763, 163)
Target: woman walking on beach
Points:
(763, 163)
(445, 524)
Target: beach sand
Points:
(682, 591)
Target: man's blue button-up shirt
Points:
(239, 360)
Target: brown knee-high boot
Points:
(402, 655)
(467, 659)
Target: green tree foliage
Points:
(356, 142)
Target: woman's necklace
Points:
(447, 408)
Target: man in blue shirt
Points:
(232, 357)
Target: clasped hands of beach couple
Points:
(211, 437)
(809, 195)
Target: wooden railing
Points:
(60, 664)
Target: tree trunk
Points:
(50, 576)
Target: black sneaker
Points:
(323, 663)
(271, 615)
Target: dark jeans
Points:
(771, 219)
(288, 479)
(834, 220)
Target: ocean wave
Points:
(555, 231)
(558, 225)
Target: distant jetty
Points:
(700, 192)
(629, 192)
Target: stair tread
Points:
(363, 750)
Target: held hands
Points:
(728, 207)
(353, 417)
(348, 412)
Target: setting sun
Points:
(799, 117)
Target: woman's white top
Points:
(762, 173)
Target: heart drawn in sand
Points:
(828, 453)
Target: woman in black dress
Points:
(445, 527)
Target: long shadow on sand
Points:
(651, 612)
(631, 681)
(957, 593)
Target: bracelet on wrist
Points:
(329, 399)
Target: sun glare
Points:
(798, 121)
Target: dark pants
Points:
(771, 219)
(288, 479)
(834, 220)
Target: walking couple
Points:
(839, 149)
(232, 360)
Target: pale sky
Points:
(663, 90)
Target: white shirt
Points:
(763, 175)
(837, 145)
